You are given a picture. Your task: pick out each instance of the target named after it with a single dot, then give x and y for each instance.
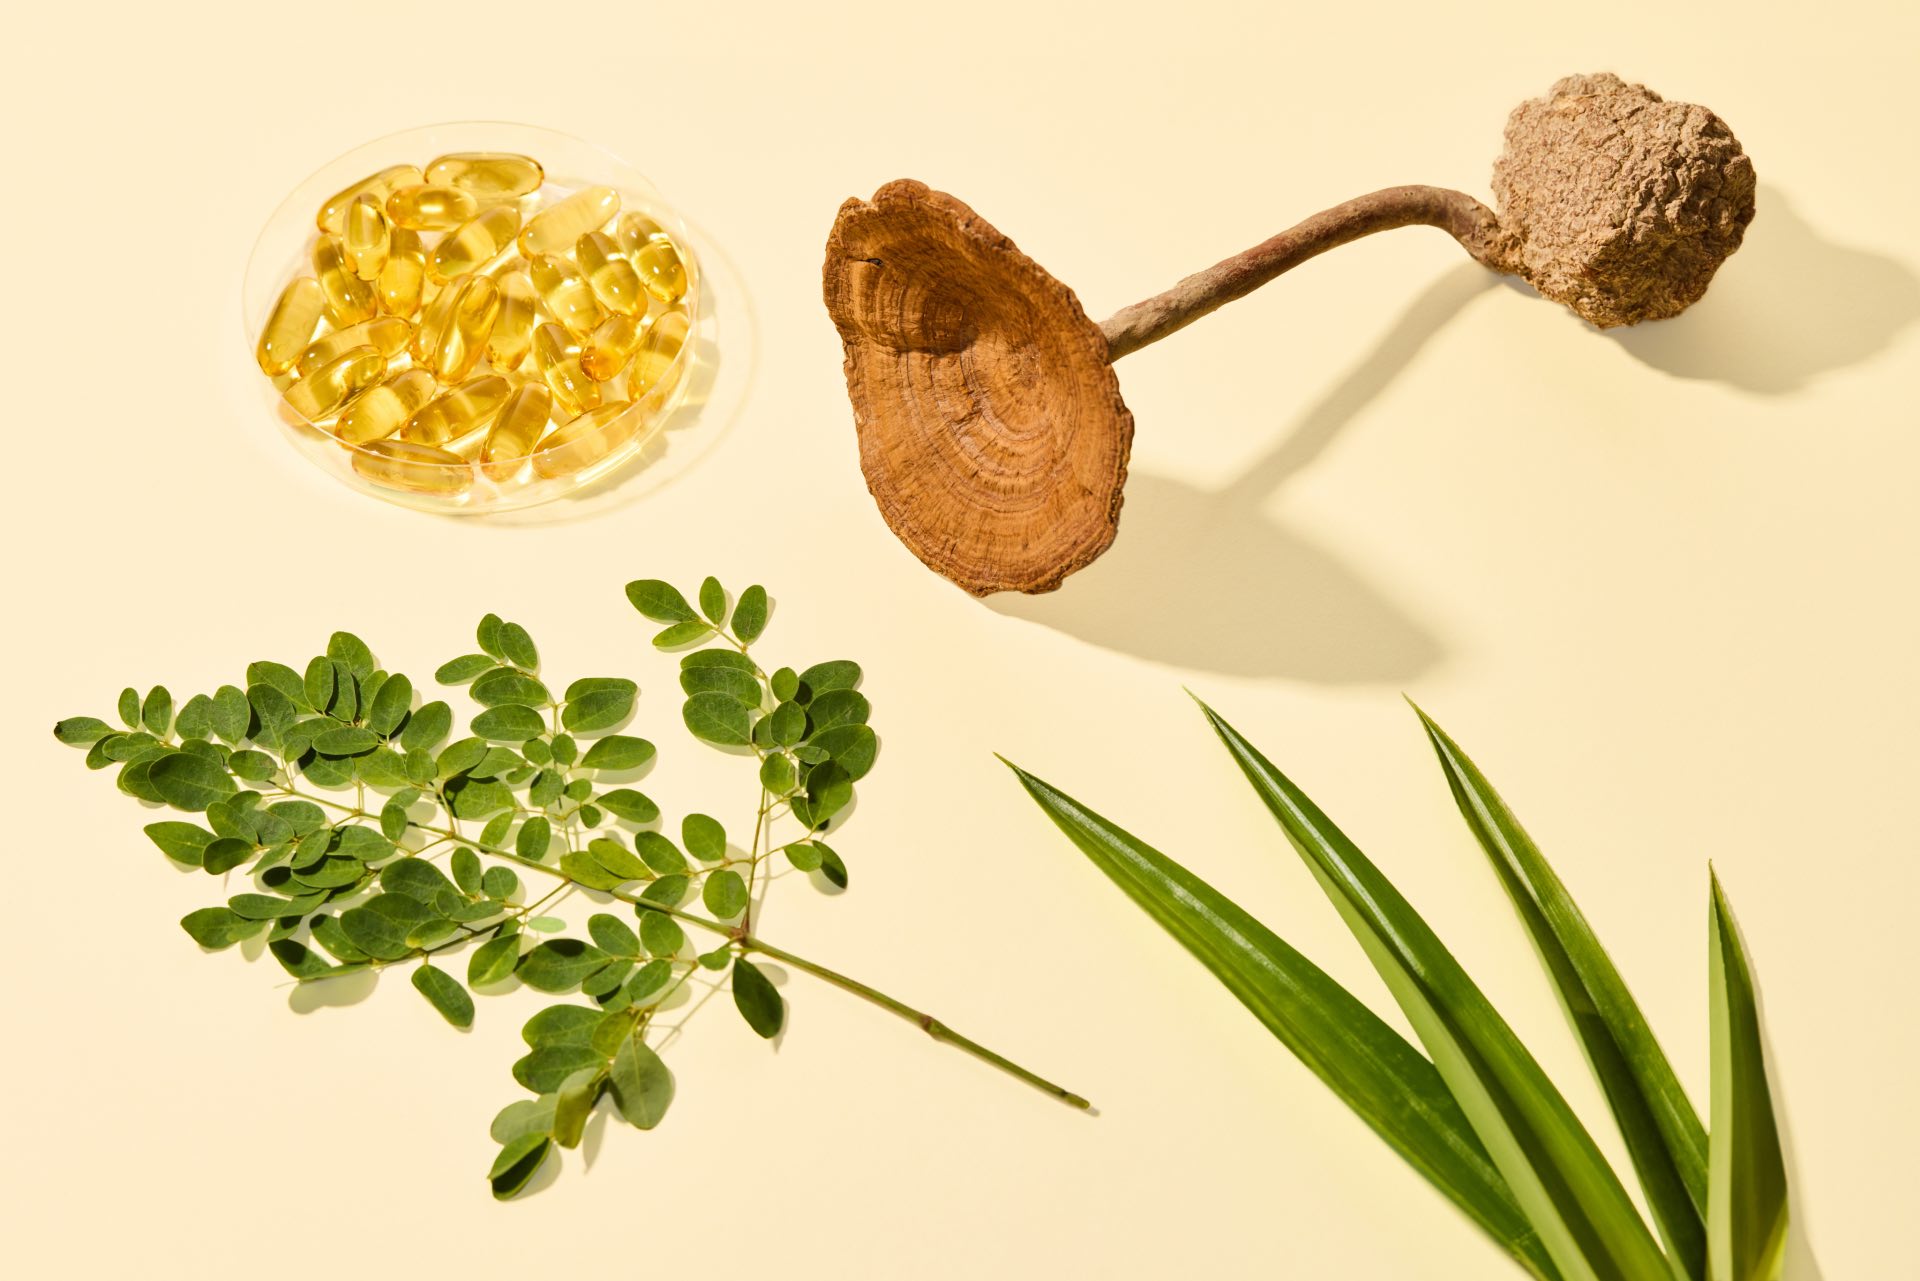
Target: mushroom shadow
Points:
(1787, 308)
(1206, 580)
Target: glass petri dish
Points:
(610, 438)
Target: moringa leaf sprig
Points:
(367, 836)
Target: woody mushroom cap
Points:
(991, 428)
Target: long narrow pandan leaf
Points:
(1567, 1190)
(1746, 1175)
(1662, 1131)
(1373, 1069)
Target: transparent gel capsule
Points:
(377, 412)
(512, 436)
(366, 238)
(433, 323)
(349, 299)
(389, 334)
(615, 282)
(333, 213)
(427, 207)
(469, 325)
(290, 325)
(489, 175)
(568, 297)
(661, 270)
(474, 243)
(584, 440)
(608, 348)
(634, 230)
(399, 464)
(557, 357)
(555, 229)
(665, 336)
(403, 281)
(327, 388)
(513, 331)
(458, 413)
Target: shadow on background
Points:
(1203, 579)
(1788, 307)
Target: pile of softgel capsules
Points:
(469, 317)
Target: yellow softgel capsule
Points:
(666, 335)
(333, 213)
(290, 325)
(473, 243)
(377, 412)
(555, 229)
(615, 283)
(634, 230)
(513, 332)
(349, 299)
(557, 356)
(433, 322)
(514, 432)
(403, 281)
(430, 207)
(566, 293)
(582, 441)
(458, 413)
(399, 464)
(366, 237)
(490, 175)
(661, 270)
(469, 325)
(327, 388)
(611, 345)
(389, 334)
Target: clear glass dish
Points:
(603, 451)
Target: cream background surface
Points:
(1660, 583)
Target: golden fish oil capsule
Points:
(403, 281)
(513, 433)
(566, 293)
(333, 214)
(433, 323)
(327, 388)
(388, 334)
(420, 468)
(349, 298)
(651, 363)
(458, 413)
(634, 230)
(428, 207)
(490, 175)
(608, 348)
(366, 238)
(615, 283)
(290, 325)
(513, 330)
(377, 412)
(579, 443)
(555, 229)
(557, 357)
(473, 243)
(469, 324)
(661, 270)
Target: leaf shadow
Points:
(1789, 307)
(1206, 580)
(335, 992)
(1799, 1263)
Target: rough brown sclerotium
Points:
(1624, 204)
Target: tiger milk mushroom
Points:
(992, 432)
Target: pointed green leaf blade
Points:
(1386, 1081)
(1565, 1187)
(1662, 1131)
(1746, 1175)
